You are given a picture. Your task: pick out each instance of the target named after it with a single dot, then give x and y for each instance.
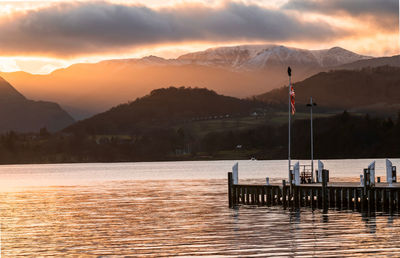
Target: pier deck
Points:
(325, 195)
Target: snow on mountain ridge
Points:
(231, 56)
(257, 57)
(253, 56)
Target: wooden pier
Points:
(363, 197)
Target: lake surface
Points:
(176, 209)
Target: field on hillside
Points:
(202, 128)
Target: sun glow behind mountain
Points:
(40, 36)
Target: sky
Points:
(40, 36)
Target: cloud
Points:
(385, 13)
(72, 29)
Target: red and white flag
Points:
(292, 95)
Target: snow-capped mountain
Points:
(255, 57)
(261, 56)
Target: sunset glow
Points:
(41, 36)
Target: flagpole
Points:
(289, 112)
(312, 143)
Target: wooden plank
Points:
(319, 198)
(263, 196)
(301, 195)
(240, 198)
(341, 198)
(230, 201)
(279, 195)
(379, 199)
(296, 200)
(370, 197)
(246, 195)
(337, 197)
(257, 194)
(355, 199)
(398, 199)
(324, 191)
(272, 195)
(253, 196)
(284, 195)
(233, 194)
(269, 201)
(384, 201)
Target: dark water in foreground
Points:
(185, 217)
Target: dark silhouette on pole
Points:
(311, 104)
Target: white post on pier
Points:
(371, 169)
(389, 172)
(267, 180)
(320, 168)
(296, 172)
(362, 180)
(235, 172)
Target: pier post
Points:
(349, 198)
(366, 187)
(230, 189)
(279, 195)
(324, 190)
(263, 196)
(397, 200)
(371, 204)
(355, 202)
(385, 201)
(284, 192)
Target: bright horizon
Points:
(61, 33)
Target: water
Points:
(175, 208)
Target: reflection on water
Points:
(178, 217)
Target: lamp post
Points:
(311, 104)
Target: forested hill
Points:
(374, 90)
(163, 107)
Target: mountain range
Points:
(241, 71)
(20, 114)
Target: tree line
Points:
(340, 136)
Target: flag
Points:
(292, 95)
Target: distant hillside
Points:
(373, 62)
(370, 89)
(164, 107)
(23, 115)
(240, 71)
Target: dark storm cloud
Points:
(385, 13)
(73, 29)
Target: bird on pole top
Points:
(289, 71)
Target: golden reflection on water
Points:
(179, 217)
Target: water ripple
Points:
(179, 218)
